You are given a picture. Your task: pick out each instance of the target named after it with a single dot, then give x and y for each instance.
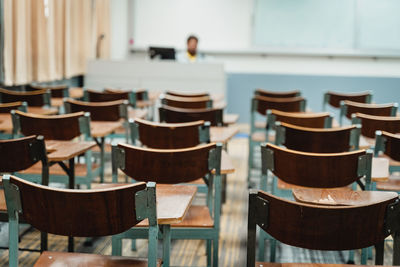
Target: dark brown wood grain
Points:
(99, 111)
(61, 211)
(169, 136)
(325, 227)
(32, 98)
(52, 127)
(392, 145)
(96, 96)
(370, 109)
(277, 94)
(176, 115)
(187, 102)
(321, 140)
(56, 90)
(166, 166)
(185, 94)
(335, 97)
(292, 104)
(312, 120)
(7, 107)
(370, 124)
(315, 169)
(141, 94)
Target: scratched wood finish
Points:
(52, 127)
(56, 90)
(106, 211)
(335, 97)
(53, 258)
(341, 197)
(321, 140)
(370, 124)
(176, 115)
(169, 135)
(182, 94)
(170, 166)
(187, 102)
(32, 98)
(222, 134)
(325, 227)
(99, 111)
(292, 104)
(276, 94)
(392, 145)
(316, 169)
(370, 109)
(7, 107)
(312, 120)
(15, 154)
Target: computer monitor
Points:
(162, 52)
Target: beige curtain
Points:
(46, 40)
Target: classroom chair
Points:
(7, 107)
(186, 102)
(37, 98)
(277, 94)
(185, 94)
(56, 91)
(107, 96)
(176, 115)
(333, 99)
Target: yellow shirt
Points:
(192, 58)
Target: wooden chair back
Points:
(106, 211)
(321, 227)
(21, 153)
(141, 94)
(261, 104)
(99, 111)
(52, 127)
(388, 143)
(169, 135)
(317, 140)
(37, 98)
(190, 95)
(176, 115)
(334, 98)
(311, 120)
(318, 170)
(167, 166)
(96, 96)
(187, 102)
(7, 107)
(58, 91)
(370, 124)
(277, 94)
(347, 108)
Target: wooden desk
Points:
(222, 134)
(43, 110)
(75, 92)
(341, 197)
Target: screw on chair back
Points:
(58, 91)
(176, 115)
(37, 98)
(277, 94)
(318, 170)
(187, 102)
(311, 120)
(99, 111)
(347, 108)
(7, 107)
(52, 127)
(334, 98)
(293, 104)
(182, 94)
(169, 135)
(323, 227)
(317, 140)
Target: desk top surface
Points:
(230, 118)
(64, 150)
(222, 134)
(104, 128)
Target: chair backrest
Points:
(312, 120)
(334, 98)
(186, 102)
(388, 143)
(96, 96)
(176, 115)
(277, 94)
(99, 111)
(318, 170)
(167, 166)
(318, 140)
(140, 94)
(322, 227)
(182, 94)
(7, 107)
(169, 135)
(370, 124)
(58, 91)
(21, 153)
(52, 127)
(261, 104)
(347, 108)
(37, 98)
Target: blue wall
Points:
(240, 88)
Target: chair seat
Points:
(196, 216)
(267, 264)
(80, 169)
(81, 259)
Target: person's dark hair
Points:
(192, 37)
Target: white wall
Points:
(119, 29)
(219, 24)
